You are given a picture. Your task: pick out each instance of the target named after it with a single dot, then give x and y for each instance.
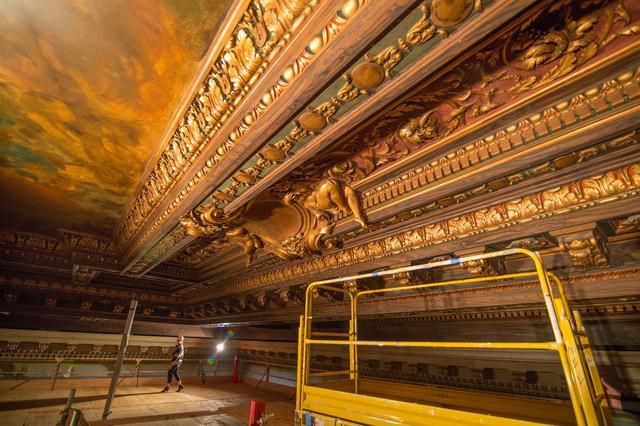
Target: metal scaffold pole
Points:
(118, 365)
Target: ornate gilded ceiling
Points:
(87, 89)
(313, 143)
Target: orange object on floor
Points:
(258, 408)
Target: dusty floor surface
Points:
(220, 404)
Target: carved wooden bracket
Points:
(627, 224)
(294, 226)
(296, 295)
(81, 274)
(585, 245)
(279, 298)
(486, 267)
(50, 301)
(86, 305)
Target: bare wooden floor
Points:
(221, 404)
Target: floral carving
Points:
(420, 129)
(551, 43)
(261, 31)
(603, 188)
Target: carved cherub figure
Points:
(328, 197)
(249, 242)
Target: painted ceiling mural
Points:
(87, 88)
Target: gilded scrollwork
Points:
(551, 44)
(570, 46)
(587, 252)
(356, 83)
(294, 226)
(328, 32)
(420, 129)
(259, 34)
(362, 79)
(426, 127)
(487, 267)
(603, 188)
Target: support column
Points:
(138, 362)
(118, 366)
(56, 370)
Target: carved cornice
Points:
(29, 241)
(532, 308)
(159, 250)
(469, 27)
(146, 283)
(528, 308)
(613, 95)
(264, 29)
(461, 94)
(581, 158)
(362, 79)
(546, 51)
(77, 241)
(582, 194)
(53, 286)
(420, 29)
(69, 249)
(202, 107)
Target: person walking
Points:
(174, 365)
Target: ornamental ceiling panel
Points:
(515, 68)
(509, 72)
(86, 91)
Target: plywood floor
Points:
(221, 404)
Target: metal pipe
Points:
(56, 370)
(330, 373)
(571, 384)
(273, 364)
(328, 334)
(118, 365)
(338, 289)
(563, 296)
(550, 346)
(581, 412)
(64, 414)
(448, 262)
(354, 339)
(266, 373)
(138, 362)
(308, 309)
(299, 365)
(75, 418)
(586, 377)
(447, 283)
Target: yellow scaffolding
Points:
(340, 407)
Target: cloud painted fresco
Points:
(87, 88)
